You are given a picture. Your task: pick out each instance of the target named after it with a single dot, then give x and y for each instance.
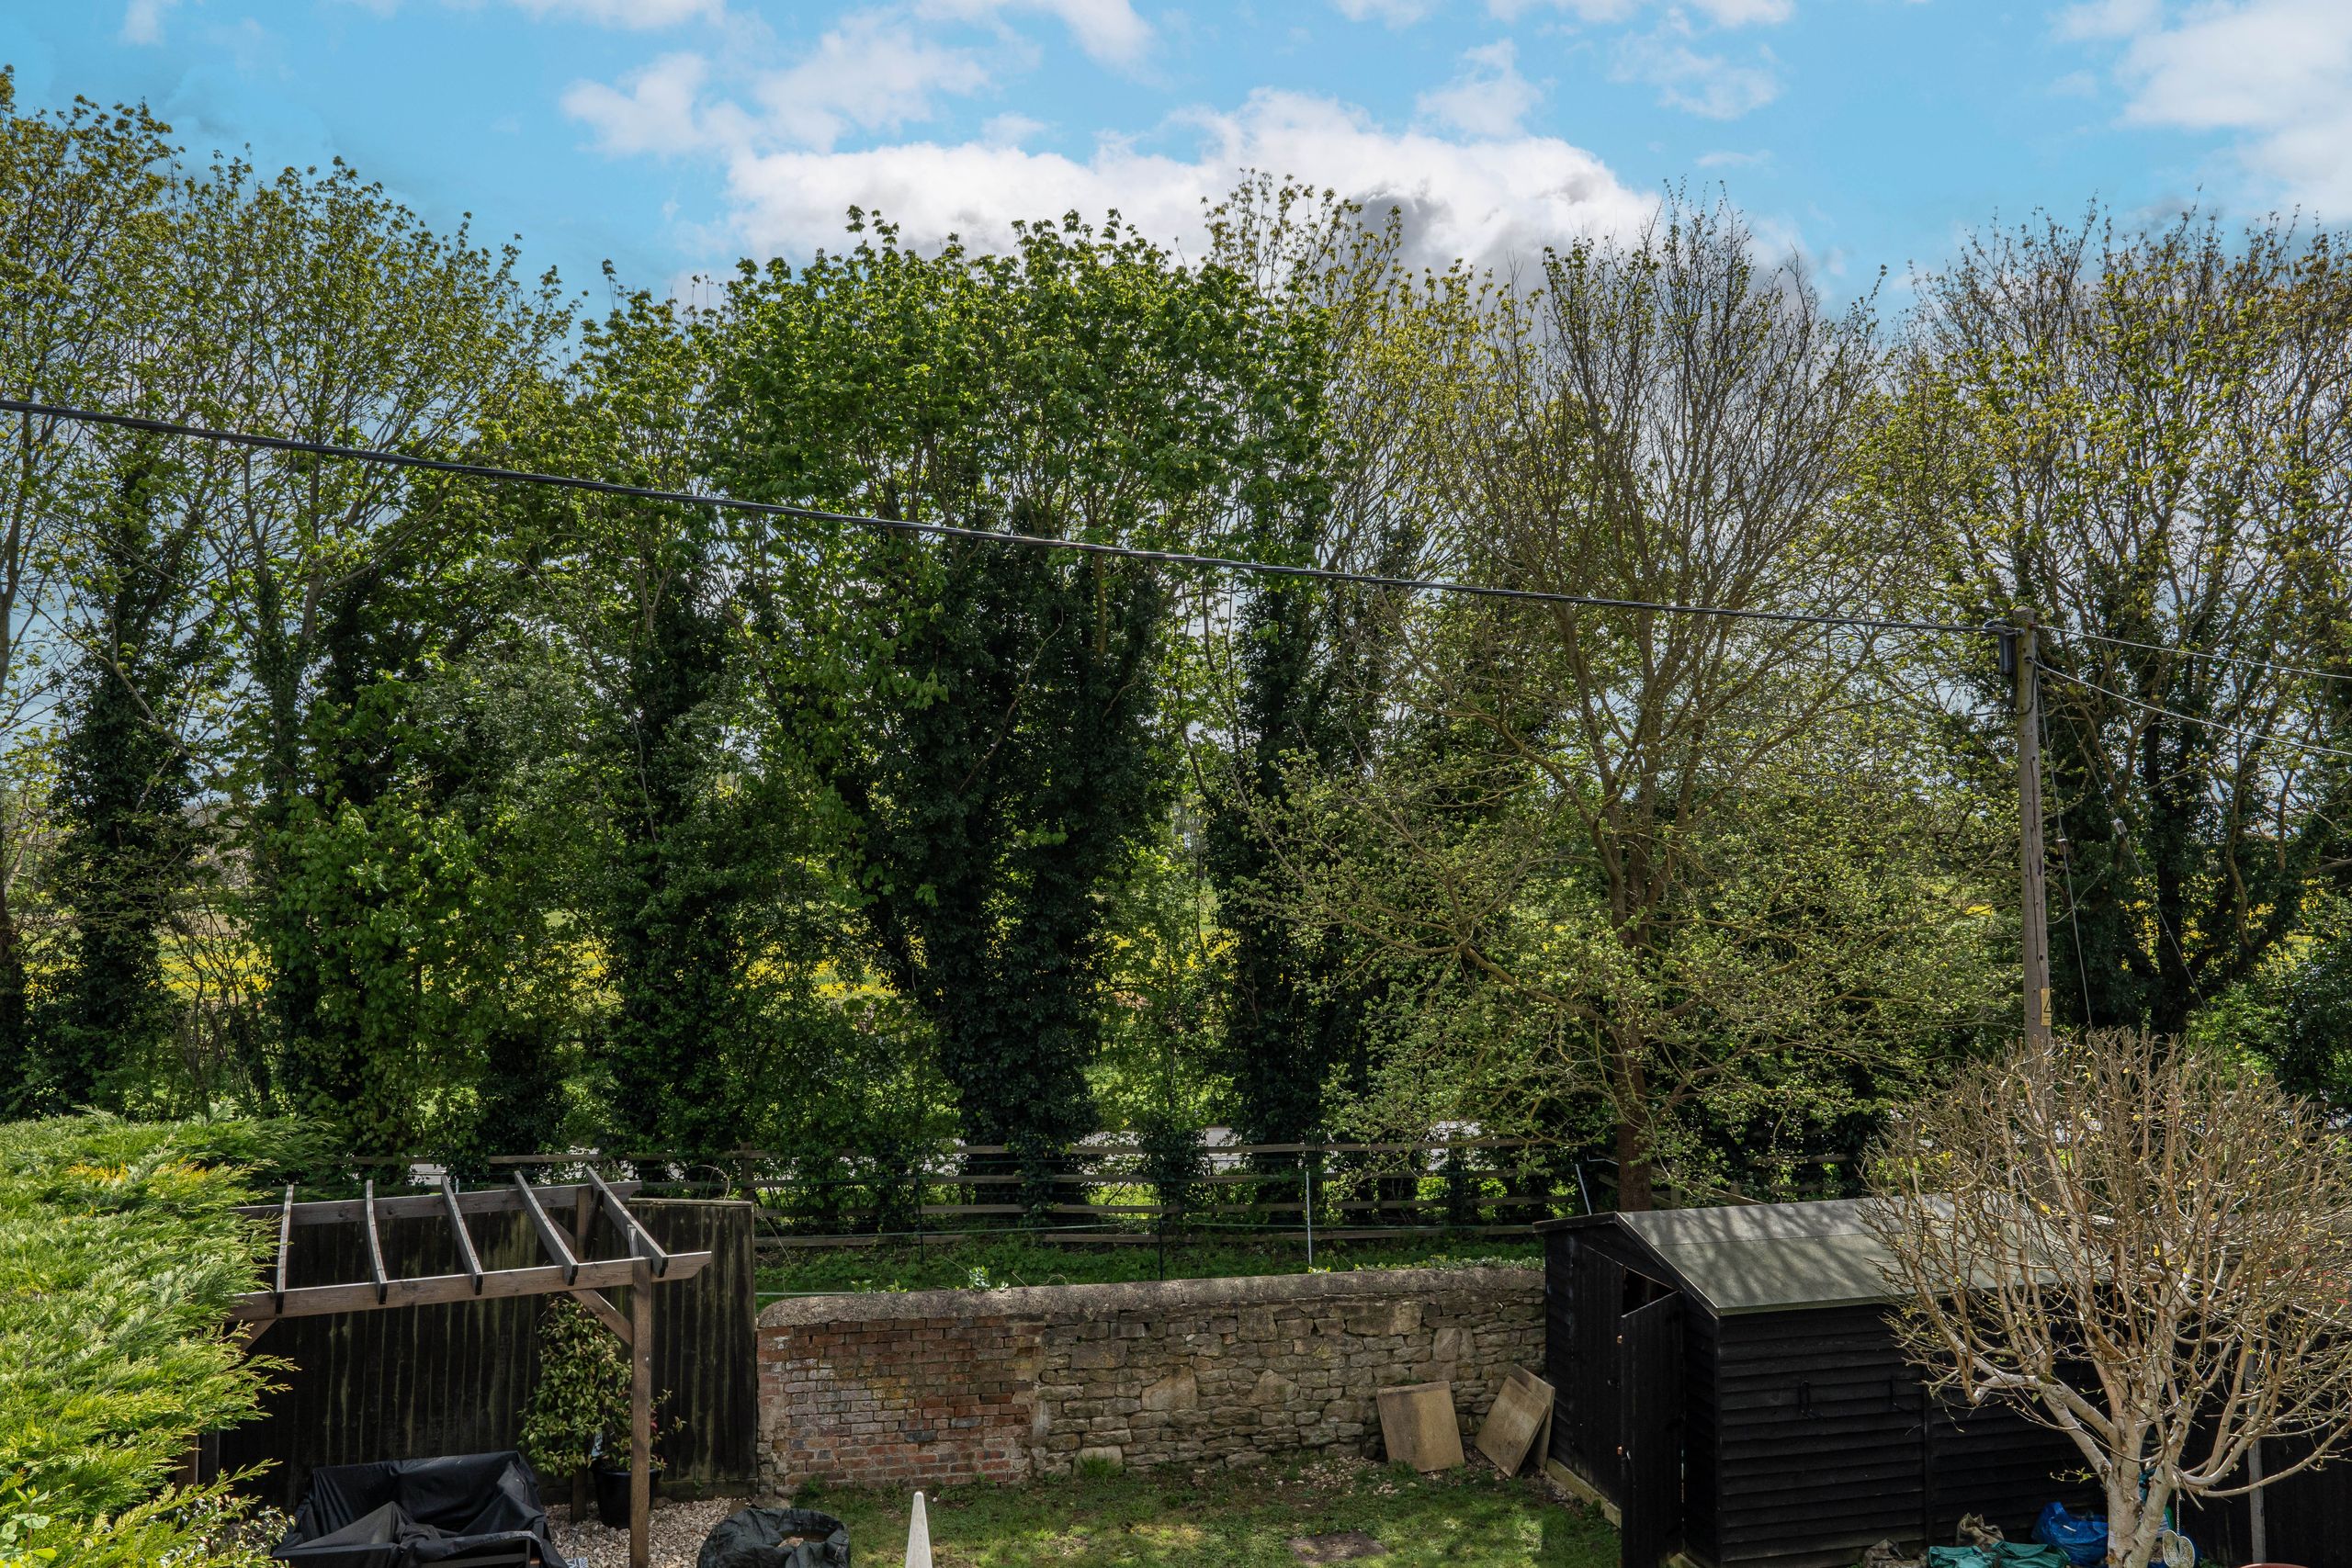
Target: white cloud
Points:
(656, 114)
(143, 21)
(2107, 18)
(635, 14)
(1395, 13)
(1745, 13)
(1717, 12)
(1669, 56)
(1486, 198)
(1711, 85)
(869, 74)
(1109, 30)
(1010, 129)
(2277, 71)
(1725, 159)
(1489, 98)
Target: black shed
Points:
(1727, 1381)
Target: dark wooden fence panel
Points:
(706, 1340)
(412, 1383)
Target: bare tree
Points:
(2141, 1245)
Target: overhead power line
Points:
(2211, 657)
(950, 531)
(2241, 734)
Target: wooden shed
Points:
(1727, 1383)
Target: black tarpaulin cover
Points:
(754, 1538)
(396, 1513)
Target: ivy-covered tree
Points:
(125, 784)
(311, 305)
(81, 241)
(986, 716)
(692, 856)
(1295, 677)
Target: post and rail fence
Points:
(1111, 1190)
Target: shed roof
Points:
(1768, 1256)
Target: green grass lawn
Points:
(1014, 1260)
(1468, 1519)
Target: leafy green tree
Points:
(1609, 868)
(1293, 681)
(1828, 950)
(2310, 1011)
(320, 309)
(986, 716)
(126, 781)
(691, 855)
(80, 195)
(2142, 436)
(1671, 420)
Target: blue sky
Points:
(675, 135)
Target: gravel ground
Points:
(676, 1534)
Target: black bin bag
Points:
(399, 1513)
(753, 1537)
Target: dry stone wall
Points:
(936, 1387)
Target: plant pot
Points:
(612, 1495)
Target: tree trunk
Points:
(2133, 1523)
(1633, 1130)
(18, 1047)
(1633, 1168)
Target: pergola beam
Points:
(458, 1224)
(640, 1241)
(485, 1201)
(316, 1300)
(606, 1312)
(550, 1238)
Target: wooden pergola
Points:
(565, 1268)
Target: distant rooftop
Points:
(1768, 1256)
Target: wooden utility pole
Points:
(2034, 894)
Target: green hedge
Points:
(117, 1256)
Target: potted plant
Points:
(577, 1417)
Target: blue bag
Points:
(2083, 1540)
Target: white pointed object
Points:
(919, 1537)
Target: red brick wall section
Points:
(914, 1400)
(938, 1387)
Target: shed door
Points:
(1649, 1431)
(1598, 1377)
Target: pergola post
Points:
(640, 1415)
(582, 1211)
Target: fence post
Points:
(1308, 1172)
